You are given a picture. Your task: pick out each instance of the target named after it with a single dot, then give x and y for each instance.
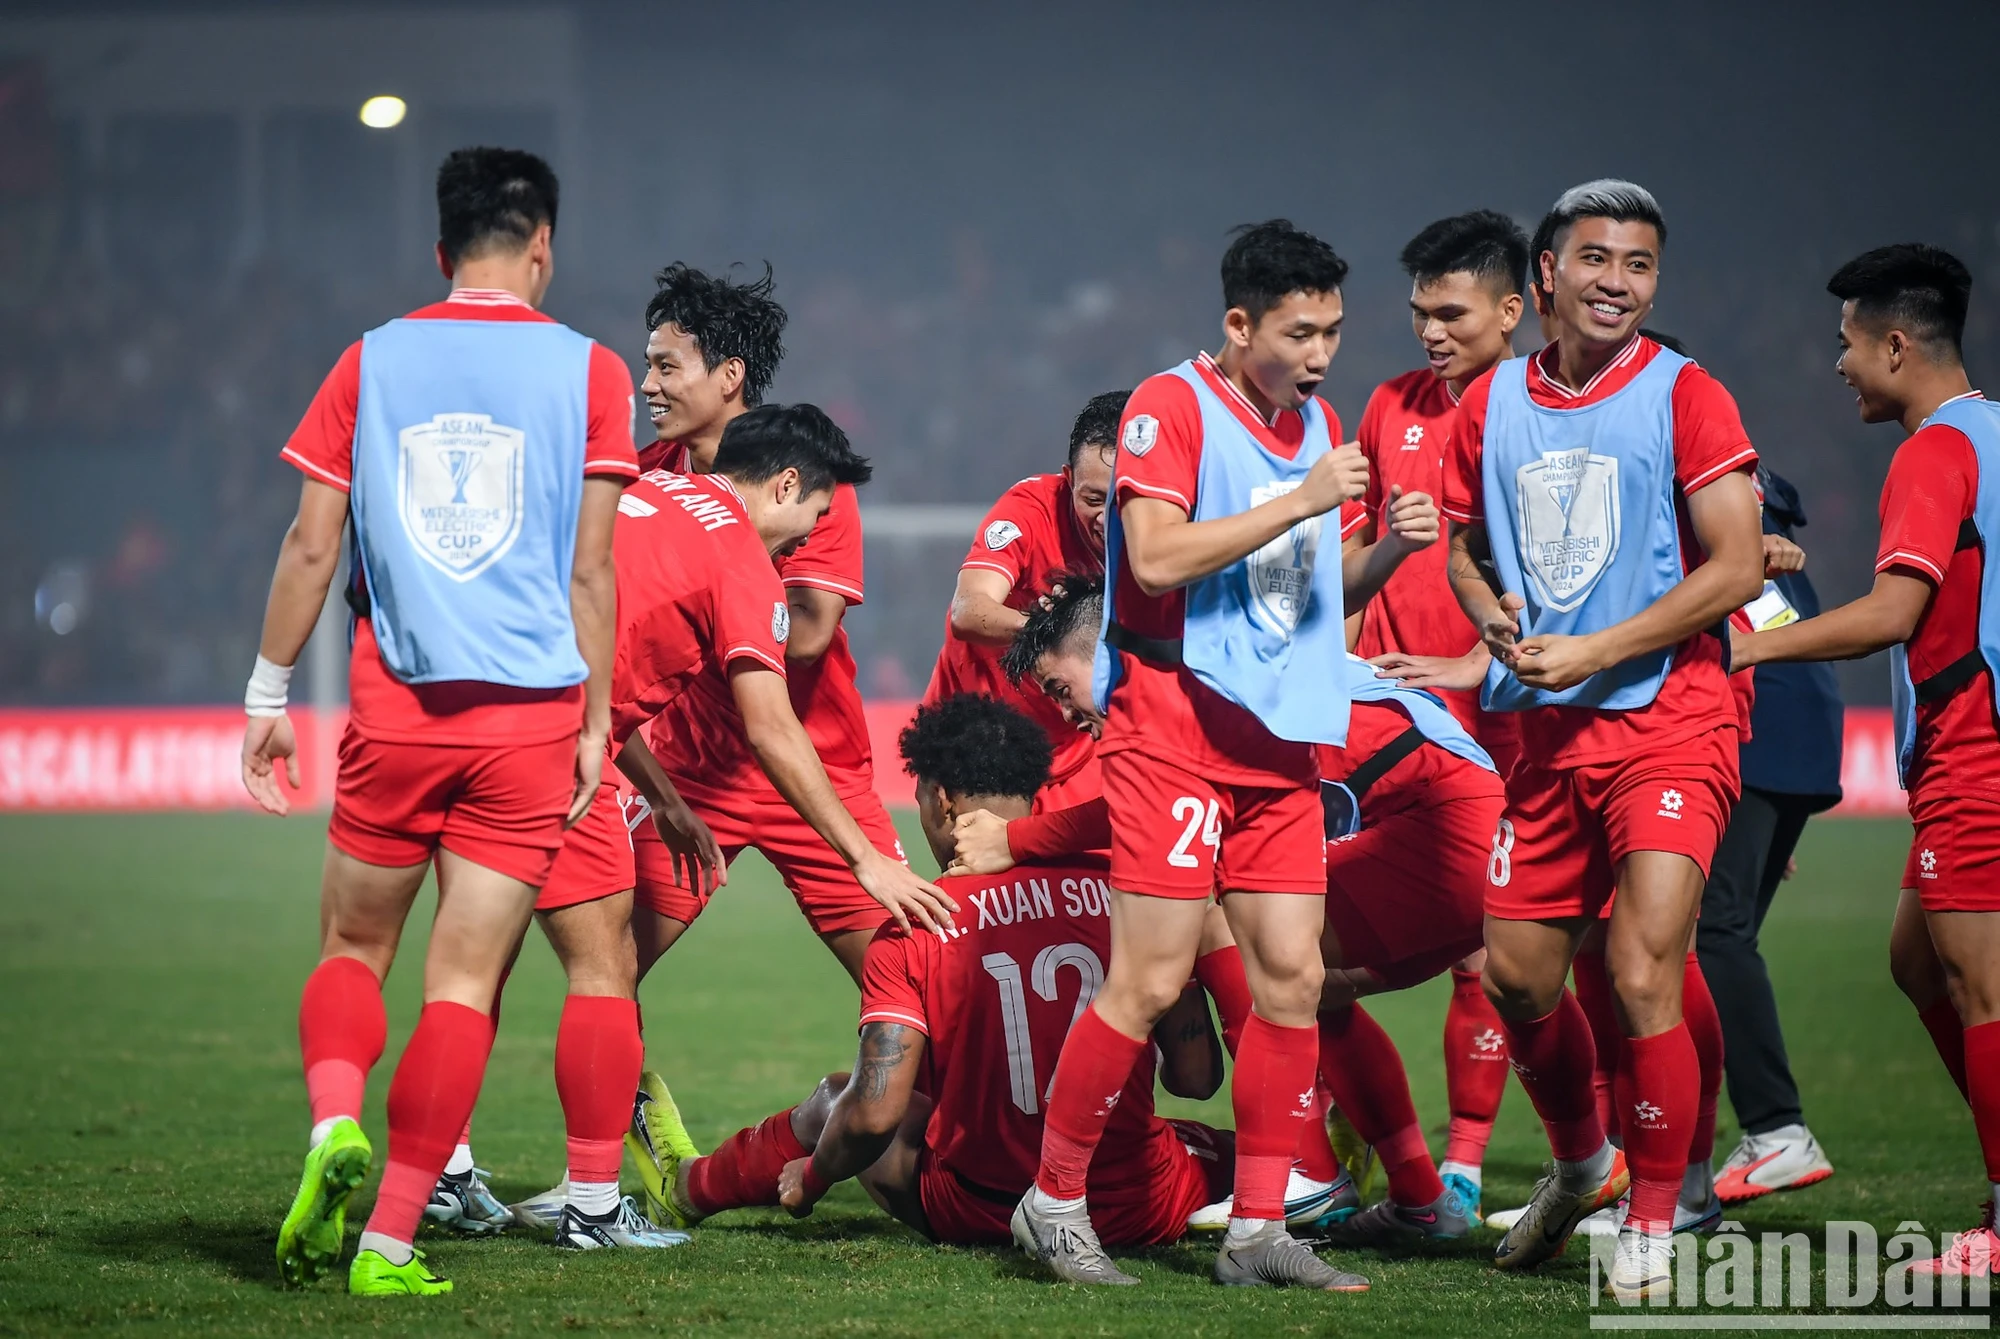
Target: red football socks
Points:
(435, 1088)
(1475, 1068)
(1272, 1093)
(1221, 975)
(1947, 1031)
(1096, 1062)
(1982, 1084)
(1365, 1073)
(744, 1168)
(1704, 1026)
(1553, 1056)
(1593, 992)
(598, 1059)
(1316, 1156)
(1664, 1078)
(342, 1029)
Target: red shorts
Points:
(1954, 859)
(1185, 1167)
(596, 859)
(819, 880)
(1566, 828)
(503, 807)
(1176, 834)
(1406, 896)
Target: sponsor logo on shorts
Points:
(1140, 434)
(1671, 801)
(1927, 863)
(1000, 534)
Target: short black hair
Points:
(761, 442)
(1097, 425)
(1605, 198)
(1543, 240)
(1075, 603)
(1665, 341)
(1916, 288)
(491, 198)
(1484, 243)
(725, 320)
(1270, 261)
(971, 744)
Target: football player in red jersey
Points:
(941, 1117)
(478, 680)
(1902, 320)
(1408, 825)
(699, 603)
(1044, 525)
(713, 347)
(1629, 730)
(1467, 274)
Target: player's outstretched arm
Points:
(1165, 549)
(1886, 616)
(864, 1119)
(1413, 525)
(786, 754)
(816, 616)
(979, 612)
(593, 603)
(989, 844)
(1494, 613)
(306, 563)
(1725, 516)
(1190, 1052)
(697, 855)
(1456, 673)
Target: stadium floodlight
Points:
(383, 111)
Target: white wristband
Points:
(265, 694)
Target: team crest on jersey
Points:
(1569, 523)
(1141, 433)
(1281, 572)
(459, 491)
(1000, 534)
(781, 622)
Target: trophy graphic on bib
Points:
(460, 464)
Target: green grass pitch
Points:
(152, 1118)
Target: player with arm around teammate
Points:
(940, 1119)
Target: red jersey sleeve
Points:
(1709, 440)
(1464, 486)
(1927, 497)
(1005, 536)
(751, 617)
(1159, 443)
(608, 451)
(831, 559)
(1061, 832)
(892, 977)
(322, 446)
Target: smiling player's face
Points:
(683, 395)
(1604, 279)
(1064, 674)
(1463, 324)
(1866, 364)
(1286, 352)
(1089, 486)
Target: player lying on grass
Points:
(1902, 321)
(941, 1118)
(1410, 807)
(698, 599)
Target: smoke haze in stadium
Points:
(977, 221)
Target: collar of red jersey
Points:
(1542, 365)
(487, 297)
(1207, 361)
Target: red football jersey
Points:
(1169, 713)
(1029, 536)
(996, 1000)
(696, 591)
(1430, 776)
(1709, 442)
(826, 695)
(1932, 487)
(381, 706)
